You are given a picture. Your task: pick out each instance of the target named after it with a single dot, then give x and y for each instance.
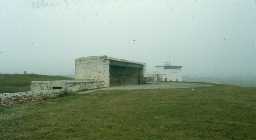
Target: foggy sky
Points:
(207, 37)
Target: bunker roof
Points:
(114, 61)
(169, 67)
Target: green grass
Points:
(19, 82)
(211, 113)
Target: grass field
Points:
(209, 113)
(20, 82)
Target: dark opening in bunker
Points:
(56, 87)
(125, 73)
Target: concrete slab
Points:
(169, 85)
(160, 86)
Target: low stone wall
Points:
(41, 90)
(65, 86)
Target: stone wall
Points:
(65, 85)
(96, 68)
(41, 90)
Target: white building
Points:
(167, 73)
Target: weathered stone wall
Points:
(41, 90)
(65, 85)
(96, 68)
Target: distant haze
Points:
(207, 37)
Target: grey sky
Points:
(207, 37)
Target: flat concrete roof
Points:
(114, 61)
(170, 67)
(125, 64)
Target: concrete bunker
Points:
(125, 73)
(114, 72)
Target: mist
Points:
(214, 38)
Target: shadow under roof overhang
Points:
(126, 64)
